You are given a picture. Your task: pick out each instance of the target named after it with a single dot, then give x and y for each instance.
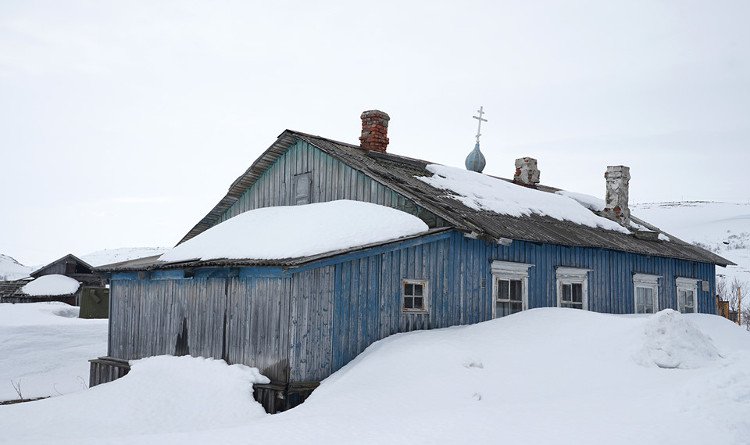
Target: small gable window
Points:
(302, 184)
(414, 296)
(687, 290)
(646, 293)
(572, 287)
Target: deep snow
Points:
(543, 376)
(46, 348)
(298, 231)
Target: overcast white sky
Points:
(123, 123)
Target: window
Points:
(414, 296)
(646, 293)
(302, 185)
(572, 288)
(510, 288)
(687, 291)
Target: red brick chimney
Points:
(374, 131)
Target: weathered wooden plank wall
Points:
(331, 180)
(243, 320)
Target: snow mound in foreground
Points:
(159, 394)
(671, 341)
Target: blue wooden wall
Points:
(303, 324)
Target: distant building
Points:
(61, 280)
(492, 247)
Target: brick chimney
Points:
(374, 131)
(527, 172)
(616, 206)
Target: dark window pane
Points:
(418, 303)
(515, 307)
(408, 289)
(566, 293)
(502, 309)
(515, 290)
(577, 292)
(503, 289)
(408, 302)
(418, 288)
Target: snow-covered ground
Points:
(46, 348)
(543, 376)
(111, 256)
(10, 269)
(723, 227)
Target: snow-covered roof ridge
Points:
(482, 192)
(274, 233)
(118, 255)
(51, 285)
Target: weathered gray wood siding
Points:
(331, 180)
(243, 320)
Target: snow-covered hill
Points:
(543, 376)
(723, 227)
(10, 269)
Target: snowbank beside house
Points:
(11, 270)
(159, 394)
(483, 192)
(543, 376)
(51, 285)
(45, 348)
(298, 231)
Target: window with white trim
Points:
(687, 292)
(414, 296)
(572, 288)
(510, 288)
(646, 293)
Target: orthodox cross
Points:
(480, 119)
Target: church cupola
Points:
(475, 161)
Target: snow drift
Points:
(160, 394)
(671, 341)
(543, 376)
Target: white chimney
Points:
(616, 207)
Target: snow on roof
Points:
(482, 192)
(298, 231)
(111, 256)
(51, 285)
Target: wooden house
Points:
(68, 266)
(300, 319)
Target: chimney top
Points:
(527, 172)
(618, 185)
(374, 130)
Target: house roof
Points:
(37, 274)
(402, 174)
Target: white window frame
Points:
(687, 284)
(573, 275)
(646, 281)
(425, 296)
(507, 270)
